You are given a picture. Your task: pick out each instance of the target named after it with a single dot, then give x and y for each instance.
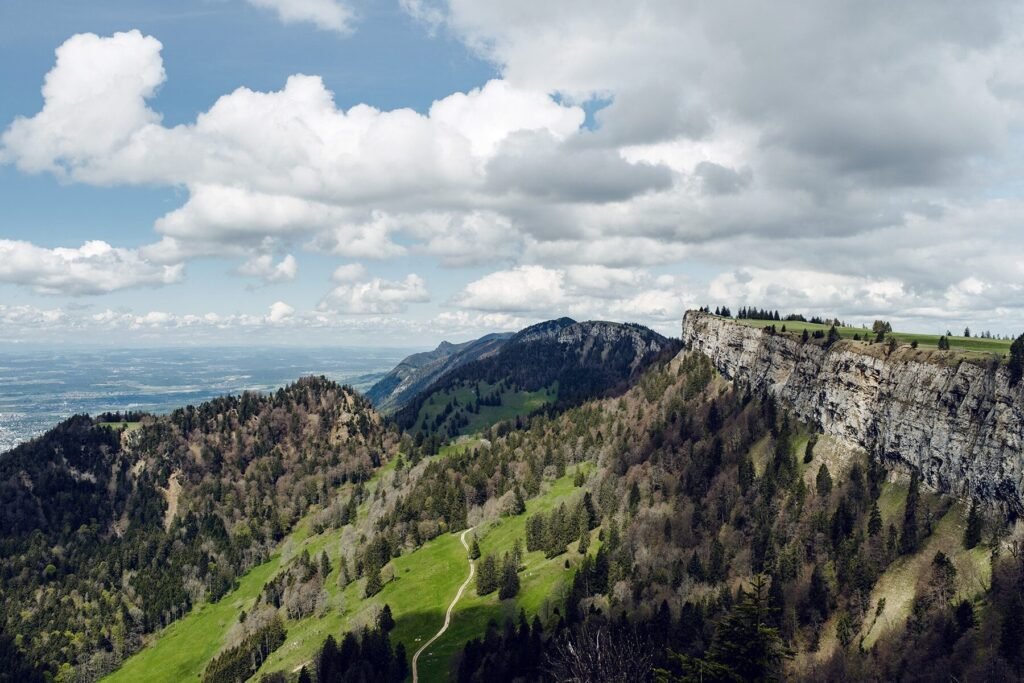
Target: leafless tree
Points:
(598, 653)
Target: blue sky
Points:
(210, 48)
(221, 170)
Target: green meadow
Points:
(974, 345)
(513, 403)
(424, 583)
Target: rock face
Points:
(959, 423)
(592, 341)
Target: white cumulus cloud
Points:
(263, 267)
(330, 15)
(93, 268)
(375, 296)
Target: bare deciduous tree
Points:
(597, 653)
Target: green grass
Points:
(541, 581)
(425, 583)
(184, 648)
(898, 584)
(972, 345)
(513, 404)
(126, 426)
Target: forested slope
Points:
(107, 536)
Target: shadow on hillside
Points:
(439, 661)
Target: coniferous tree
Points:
(474, 549)
(373, 582)
(634, 495)
(910, 536)
(401, 662)
(509, 578)
(745, 473)
(487, 576)
(584, 542)
(325, 565)
(809, 448)
(875, 521)
(823, 482)
(972, 534)
(385, 620)
(833, 336)
(745, 643)
(1016, 364)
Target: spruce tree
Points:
(809, 448)
(401, 662)
(487, 576)
(584, 542)
(634, 493)
(875, 521)
(385, 620)
(745, 473)
(909, 538)
(745, 643)
(373, 582)
(325, 565)
(509, 579)
(823, 482)
(474, 550)
(1016, 364)
(833, 336)
(972, 534)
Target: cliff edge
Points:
(958, 422)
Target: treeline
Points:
(503, 578)
(735, 630)
(754, 313)
(122, 416)
(552, 533)
(239, 663)
(367, 658)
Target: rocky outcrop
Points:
(592, 341)
(959, 422)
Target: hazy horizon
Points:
(405, 172)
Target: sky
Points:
(395, 173)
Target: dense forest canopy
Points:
(107, 535)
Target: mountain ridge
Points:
(419, 370)
(959, 422)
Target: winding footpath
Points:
(448, 615)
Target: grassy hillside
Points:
(543, 580)
(424, 584)
(183, 649)
(469, 415)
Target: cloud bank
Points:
(870, 171)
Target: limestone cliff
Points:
(958, 422)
